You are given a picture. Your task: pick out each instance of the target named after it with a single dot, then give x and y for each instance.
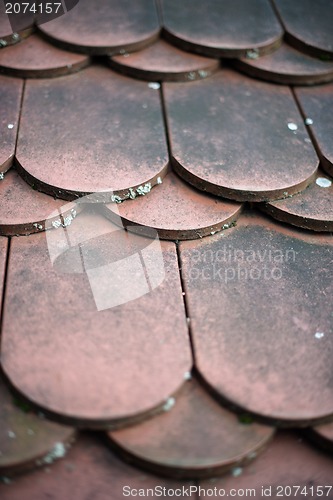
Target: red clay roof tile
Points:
(257, 298)
(222, 29)
(10, 98)
(239, 138)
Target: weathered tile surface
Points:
(224, 28)
(308, 25)
(162, 61)
(7, 37)
(84, 370)
(288, 462)
(23, 209)
(27, 440)
(311, 209)
(317, 105)
(3, 257)
(258, 299)
(287, 65)
(10, 98)
(176, 211)
(36, 58)
(195, 438)
(226, 134)
(105, 26)
(89, 470)
(83, 125)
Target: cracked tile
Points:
(258, 300)
(222, 29)
(98, 108)
(226, 134)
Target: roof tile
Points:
(221, 29)
(196, 438)
(94, 108)
(176, 211)
(240, 125)
(7, 37)
(36, 58)
(308, 25)
(162, 61)
(323, 436)
(10, 98)
(105, 26)
(289, 66)
(311, 209)
(27, 440)
(84, 371)
(260, 318)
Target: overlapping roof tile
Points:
(187, 355)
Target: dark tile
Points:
(35, 58)
(103, 132)
(317, 104)
(25, 210)
(78, 333)
(287, 463)
(89, 471)
(287, 65)
(308, 25)
(196, 438)
(176, 211)
(226, 134)
(322, 436)
(311, 209)
(261, 319)
(105, 26)
(10, 98)
(28, 440)
(8, 36)
(162, 61)
(228, 29)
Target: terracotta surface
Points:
(36, 58)
(261, 320)
(196, 438)
(176, 211)
(10, 98)
(162, 61)
(323, 436)
(96, 107)
(311, 209)
(289, 461)
(287, 65)
(27, 440)
(317, 104)
(92, 346)
(89, 470)
(224, 28)
(105, 26)
(308, 25)
(3, 257)
(226, 134)
(24, 210)
(7, 36)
